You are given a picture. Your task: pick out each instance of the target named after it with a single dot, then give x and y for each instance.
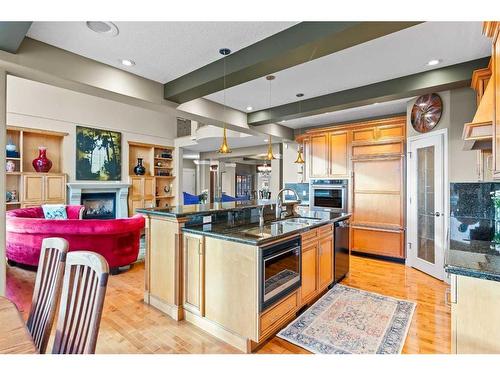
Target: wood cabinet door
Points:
(339, 159)
(325, 267)
(318, 163)
(136, 187)
(55, 188)
(134, 204)
(193, 298)
(149, 188)
(475, 330)
(309, 270)
(32, 188)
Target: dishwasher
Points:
(341, 250)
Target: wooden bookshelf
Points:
(27, 142)
(156, 187)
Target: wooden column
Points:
(3, 125)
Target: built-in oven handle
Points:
(293, 249)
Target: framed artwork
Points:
(98, 154)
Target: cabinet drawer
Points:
(391, 131)
(367, 134)
(325, 230)
(308, 236)
(383, 242)
(274, 314)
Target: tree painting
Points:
(98, 154)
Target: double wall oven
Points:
(280, 269)
(328, 194)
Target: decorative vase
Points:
(139, 169)
(10, 166)
(41, 163)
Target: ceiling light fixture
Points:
(433, 62)
(270, 155)
(300, 158)
(127, 62)
(103, 28)
(224, 148)
(249, 108)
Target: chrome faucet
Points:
(261, 216)
(279, 202)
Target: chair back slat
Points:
(47, 289)
(82, 300)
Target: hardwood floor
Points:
(130, 326)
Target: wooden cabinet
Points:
(339, 154)
(474, 308)
(141, 193)
(319, 158)
(325, 257)
(309, 268)
(317, 262)
(41, 188)
(193, 270)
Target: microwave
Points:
(328, 194)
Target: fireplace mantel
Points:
(75, 190)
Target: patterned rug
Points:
(352, 321)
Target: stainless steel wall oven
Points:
(329, 195)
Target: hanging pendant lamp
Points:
(270, 155)
(224, 148)
(300, 157)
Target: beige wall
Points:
(229, 179)
(290, 169)
(36, 105)
(458, 108)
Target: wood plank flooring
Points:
(130, 326)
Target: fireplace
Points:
(99, 205)
(118, 189)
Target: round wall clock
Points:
(426, 112)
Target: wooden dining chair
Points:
(82, 299)
(47, 289)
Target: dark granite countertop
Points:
(209, 208)
(253, 234)
(473, 258)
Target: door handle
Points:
(437, 214)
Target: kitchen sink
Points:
(301, 220)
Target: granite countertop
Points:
(253, 234)
(473, 258)
(209, 208)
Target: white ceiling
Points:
(395, 55)
(162, 51)
(367, 111)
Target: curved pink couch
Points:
(117, 240)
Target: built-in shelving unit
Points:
(29, 187)
(156, 187)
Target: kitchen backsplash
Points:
(472, 215)
(302, 190)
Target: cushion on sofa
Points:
(54, 211)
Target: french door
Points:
(427, 214)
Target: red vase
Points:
(41, 163)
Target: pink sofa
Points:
(117, 240)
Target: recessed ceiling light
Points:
(103, 28)
(249, 108)
(376, 103)
(433, 62)
(127, 62)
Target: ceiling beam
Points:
(446, 78)
(12, 34)
(298, 44)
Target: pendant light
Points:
(300, 157)
(270, 155)
(224, 148)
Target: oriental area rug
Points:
(352, 321)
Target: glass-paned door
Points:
(426, 193)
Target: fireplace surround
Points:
(120, 190)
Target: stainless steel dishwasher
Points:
(341, 250)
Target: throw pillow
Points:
(54, 211)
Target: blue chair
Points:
(242, 198)
(190, 198)
(227, 198)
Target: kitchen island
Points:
(204, 263)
